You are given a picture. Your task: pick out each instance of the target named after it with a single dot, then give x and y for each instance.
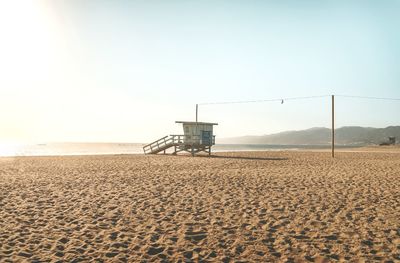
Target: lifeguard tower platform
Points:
(197, 137)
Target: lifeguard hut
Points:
(197, 137)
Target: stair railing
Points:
(156, 144)
(173, 140)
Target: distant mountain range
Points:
(351, 135)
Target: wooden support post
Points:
(333, 126)
(197, 111)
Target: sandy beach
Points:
(233, 207)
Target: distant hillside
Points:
(316, 136)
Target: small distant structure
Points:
(392, 141)
(197, 137)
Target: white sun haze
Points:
(43, 95)
(28, 51)
(124, 71)
(47, 92)
(28, 45)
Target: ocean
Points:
(62, 149)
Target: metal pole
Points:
(333, 126)
(197, 110)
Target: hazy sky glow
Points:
(124, 71)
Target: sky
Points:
(125, 71)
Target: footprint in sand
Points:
(114, 235)
(25, 254)
(111, 254)
(195, 236)
(63, 240)
(155, 250)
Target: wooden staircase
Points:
(180, 143)
(162, 144)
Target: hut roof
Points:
(193, 122)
